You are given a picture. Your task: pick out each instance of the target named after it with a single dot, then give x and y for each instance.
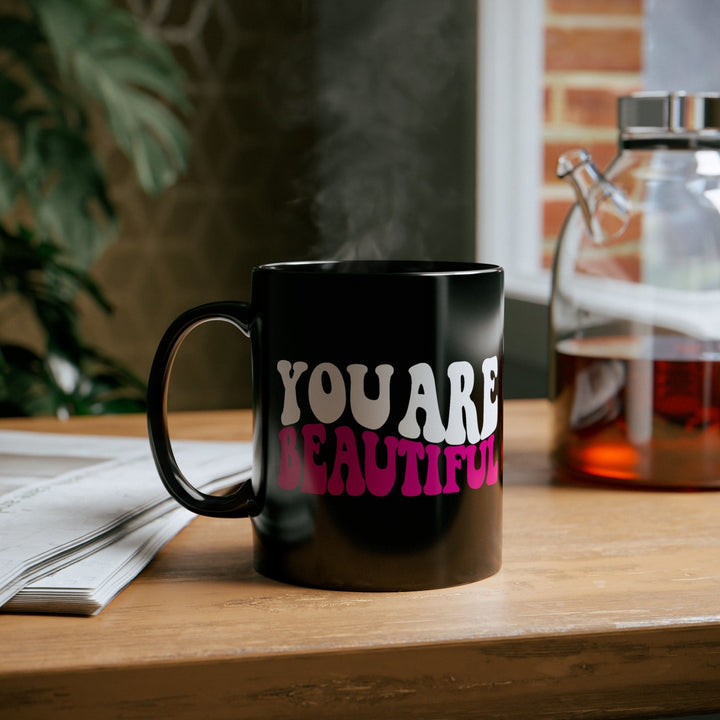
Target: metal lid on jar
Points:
(678, 118)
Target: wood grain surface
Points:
(607, 606)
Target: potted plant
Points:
(63, 63)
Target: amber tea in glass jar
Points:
(645, 420)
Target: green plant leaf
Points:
(19, 35)
(104, 53)
(7, 186)
(37, 271)
(28, 68)
(57, 57)
(24, 385)
(157, 140)
(11, 93)
(71, 203)
(54, 385)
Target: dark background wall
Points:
(321, 128)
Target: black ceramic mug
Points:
(377, 397)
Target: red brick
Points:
(548, 255)
(596, 7)
(611, 264)
(613, 49)
(547, 99)
(594, 107)
(615, 257)
(630, 237)
(554, 213)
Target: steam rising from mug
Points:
(395, 154)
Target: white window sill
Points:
(533, 288)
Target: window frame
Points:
(510, 75)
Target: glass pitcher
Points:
(635, 308)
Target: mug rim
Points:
(382, 267)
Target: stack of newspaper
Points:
(80, 516)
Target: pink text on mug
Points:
(464, 440)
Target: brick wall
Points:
(593, 55)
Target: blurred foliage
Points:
(62, 61)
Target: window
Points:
(550, 74)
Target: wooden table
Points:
(607, 606)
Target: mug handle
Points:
(240, 503)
